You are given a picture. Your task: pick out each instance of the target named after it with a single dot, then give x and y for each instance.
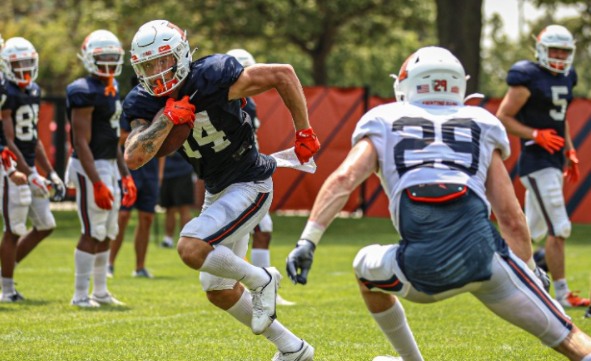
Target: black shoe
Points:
(588, 313)
(15, 297)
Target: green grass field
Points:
(169, 318)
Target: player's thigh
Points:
(231, 214)
(515, 294)
(16, 201)
(546, 187)
(535, 220)
(41, 215)
(210, 282)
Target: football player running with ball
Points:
(20, 113)
(96, 164)
(441, 166)
(206, 95)
(534, 109)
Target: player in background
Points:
(534, 109)
(20, 112)
(7, 158)
(206, 94)
(441, 166)
(95, 166)
(260, 255)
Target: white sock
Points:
(260, 257)
(281, 337)
(560, 288)
(101, 261)
(168, 240)
(394, 326)
(7, 286)
(222, 262)
(84, 263)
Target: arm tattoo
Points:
(147, 134)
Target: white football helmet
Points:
(160, 56)
(431, 76)
(555, 36)
(244, 57)
(102, 54)
(20, 61)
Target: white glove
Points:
(59, 189)
(38, 186)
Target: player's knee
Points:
(19, 229)
(146, 219)
(191, 251)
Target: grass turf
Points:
(169, 318)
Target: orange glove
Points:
(306, 144)
(547, 139)
(180, 111)
(572, 171)
(7, 157)
(103, 196)
(129, 191)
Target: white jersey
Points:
(419, 144)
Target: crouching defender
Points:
(440, 164)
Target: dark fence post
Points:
(60, 138)
(362, 188)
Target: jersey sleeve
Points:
(138, 104)
(80, 95)
(519, 75)
(371, 125)
(221, 70)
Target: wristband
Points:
(313, 232)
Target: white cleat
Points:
(264, 302)
(283, 302)
(387, 358)
(13, 297)
(305, 353)
(85, 303)
(106, 299)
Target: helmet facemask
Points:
(555, 37)
(23, 70)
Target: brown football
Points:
(175, 139)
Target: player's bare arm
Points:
(501, 195)
(513, 101)
(81, 126)
(568, 141)
(360, 163)
(259, 78)
(21, 164)
(145, 139)
(123, 170)
(41, 158)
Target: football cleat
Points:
(106, 299)
(85, 303)
(142, 273)
(572, 300)
(166, 243)
(283, 302)
(588, 313)
(387, 358)
(264, 302)
(13, 297)
(305, 353)
(111, 271)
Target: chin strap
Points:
(110, 89)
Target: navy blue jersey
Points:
(3, 96)
(24, 105)
(251, 109)
(221, 146)
(176, 166)
(545, 109)
(90, 92)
